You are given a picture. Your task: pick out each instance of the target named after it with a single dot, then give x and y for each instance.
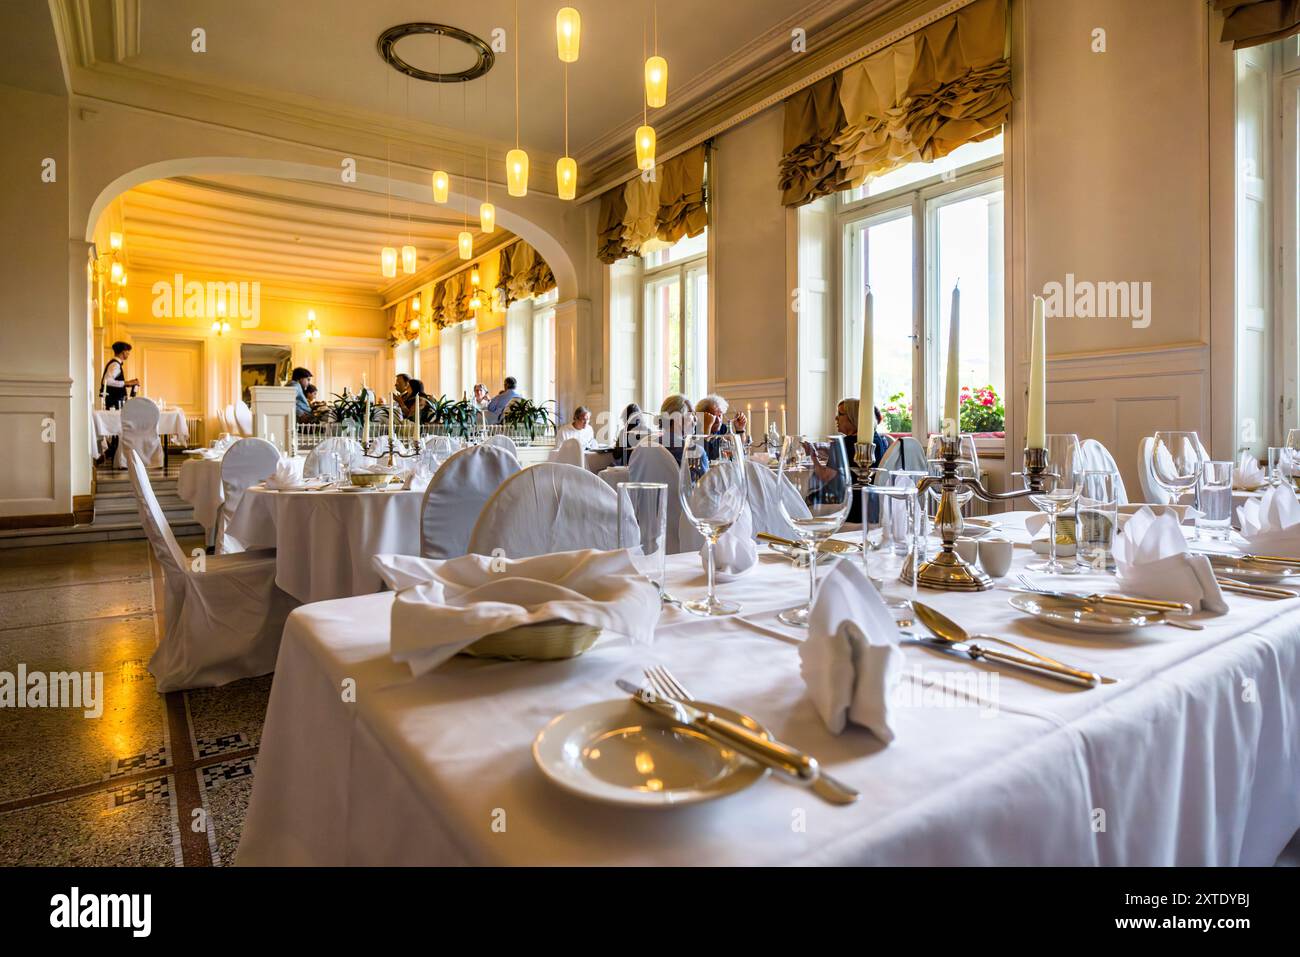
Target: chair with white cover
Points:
(243, 418)
(221, 417)
(654, 463)
(904, 454)
(456, 495)
(221, 621)
(140, 432)
(245, 463)
(331, 456)
(569, 453)
(1097, 458)
(1152, 493)
(503, 442)
(766, 490)
(548, 508)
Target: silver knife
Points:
(782, 758)
(1149, 604)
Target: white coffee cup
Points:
(967, 548)
(995, 555)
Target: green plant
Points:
(529, 416)
(897, 413)
(981, 410)
(453, 414)
(348, 408)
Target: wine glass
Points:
(1060, 490)
(1176, 462)
(822, 468)
(968, 466)
(712, 490)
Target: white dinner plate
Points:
(971, 528)
(619, 752)
(1234, 566)
(1076, 616)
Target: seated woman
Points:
(318, 408)
(416, 404)
(677, 420)
(846, 424)
(580, 428)
(630, 436)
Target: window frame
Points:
(648, 276)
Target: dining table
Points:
(325, 537)
(1190, 757)
(199, 484)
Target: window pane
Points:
(915, 172)
(697, 307)
(684, 248)
(882, 257)
(663, 320)
(969, 245)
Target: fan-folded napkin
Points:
(1248, 475)
(1271, 524)
(736, 551)
(1152, 561)
(442, 607)
(851, 660)
(288, 474)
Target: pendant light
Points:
(487, 213)
(566, 167)
(517, 159)
(656, 72)
(476, 301)
(115, 271)
(441, 185)
(388, 261)
(415, 303)
(568, 34)
(645, 134)
(465, 242)
(409, 258)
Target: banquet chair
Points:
(654, 463)
(331, 456)
(221, 418)
(904, 454)
(1097, 458)
(456, 495)
(570, 453)
(503, 442)
(245, 463)
(1152, 493)
(140, 432)
(222, 619)
(243, 418)
(550, 507)
(766, 491)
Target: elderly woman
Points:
(677, 419)
(846, 424)
(630, 435)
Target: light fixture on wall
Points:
(473, 275)
(568, 34)
(656, 72)
(388, 261)
(414, 324)
(220, 325)
(441, 185)
(115, 241)
(312, 332)
(123, 307)
(115, 271)
(517, 159)
(476, 299)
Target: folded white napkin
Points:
(380, 446)
(442, 607)
(736, 551)
(212, 455)
(851, 660)
(1248, 474)
(1152, 561)
(1271, 524)
(288, 474)
(762, 458)
(417, 480)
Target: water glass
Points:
(1291, 461)
(879, 497)
(643, 527)
(1277, 459)
(822, 467)
(907, 518)
(1215, 495)
(1096, 520)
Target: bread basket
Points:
(541, 641)
(369, 479)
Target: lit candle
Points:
(951, 412)
(365, 421)
(749, 416)
(392, 424)
(866, 402)
(766, 424)
(1036, 434)
(783, 418)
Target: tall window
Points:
(911, 236)
(674, 294)
(543, 387)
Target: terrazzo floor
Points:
(154, 780)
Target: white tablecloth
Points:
(324, 540)
(199, 483)
(108, 422)
(1191, 759)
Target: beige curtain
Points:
(1248, 23)
(641, 223)
(682, 210)
(810, 166)
(609, 236)
(523, 273)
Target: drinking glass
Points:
(1276, 459)
(909, 516)
(712, 490)
(879, 497)
(643, 527)
(821, 466)
(1060, 489)
(1176, 459)
(1096, 519)
(1215, 497)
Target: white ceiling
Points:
(280, 232)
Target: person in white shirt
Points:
(580, 428)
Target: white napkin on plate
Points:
(1152, 561)
(1248, 475)
(736, 551)
(1271, 524)
(851, 660)
(444, 606)
(288, 474)
(418, 479)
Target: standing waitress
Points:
(113, 384)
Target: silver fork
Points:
(1164, 619)
(829, 788)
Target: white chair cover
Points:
(766, 490)
(1152, 493)
(140, 432)
(243, 418)
(331, 456)
(548, 508)
(904, 454)
(503, 442)
(221, 417)
(569, 453)
(245, 463)
(456, 495)
(654, 463)
(220, 623)
(1096, 457)
(228, 416)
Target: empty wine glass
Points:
(1176, 462)
(712, 490)
(821, 467)
(1060, 490)
(968, 466)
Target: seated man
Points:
(711, 411)
(580, 428)
(497, 407)
(301, 379)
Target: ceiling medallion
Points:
(387, 44)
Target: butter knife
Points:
(1150, 604)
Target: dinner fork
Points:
(827, 787)
(1165, 619)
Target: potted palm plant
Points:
(454, 415)
(525, 415)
